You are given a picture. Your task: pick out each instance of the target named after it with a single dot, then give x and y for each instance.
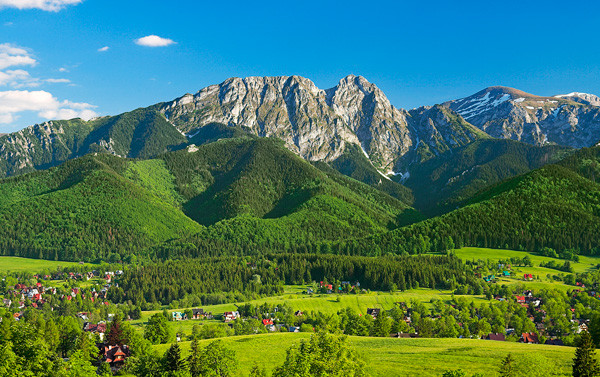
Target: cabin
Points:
(520, 299)
(294, 329)
(506, 273)
(179, 316)
(231, 316)
(373, 312)
(529, 338)
(198, 313)
(115, 356)
(496, 336)
(527, 277)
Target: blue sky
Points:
(417, 52)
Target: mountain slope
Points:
(141, 133)
(445, 182)
(252, 190)
(262, 179)
(557, 206)
(316, 124)
(84, 210)
(506, 113)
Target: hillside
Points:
(248, 189)
(557, 206)
(404, 357)
(448, 180)
(84, 210)
(141, 133)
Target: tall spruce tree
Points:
(585, 363)
(173, 360)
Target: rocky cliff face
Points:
(318, 124)
(569, 120)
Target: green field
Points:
(475, 253)
(16, 264)
(323, 303)
(406, 357)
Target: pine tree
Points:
(508, 368)
(195, 358)
(173, 360)
(585, 363)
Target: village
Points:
(90, 293)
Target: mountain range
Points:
(275, 162)
(316, 124)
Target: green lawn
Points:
(404, 357)
(16, 264)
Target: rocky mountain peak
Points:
(509, 113)
(584, 98)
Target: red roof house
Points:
(529, 337)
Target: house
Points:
(527, 277)
(7, 302)
(496, 336)
(231, 316)
(294, 329)
(555, 342)
(268, 323)
(299, 313)
(197, 313)
(506, 273)
(373, 312)
(404, 335)
(178, 316)
(115, 356)
(520, 299)
(489, 278)
(582, 327)
(530, 338)
(99, 328)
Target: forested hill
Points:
(557, 206)
(448, 180)
(246, 188)
(84, 210)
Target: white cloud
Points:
(45, 104)
(13, 55)
(13, 78)
(154, 41)
(103, 49)
(63, 69)
(58, 81)
(47, 5)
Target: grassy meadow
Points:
(406, 357)
(17, 264)
(329, 304)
